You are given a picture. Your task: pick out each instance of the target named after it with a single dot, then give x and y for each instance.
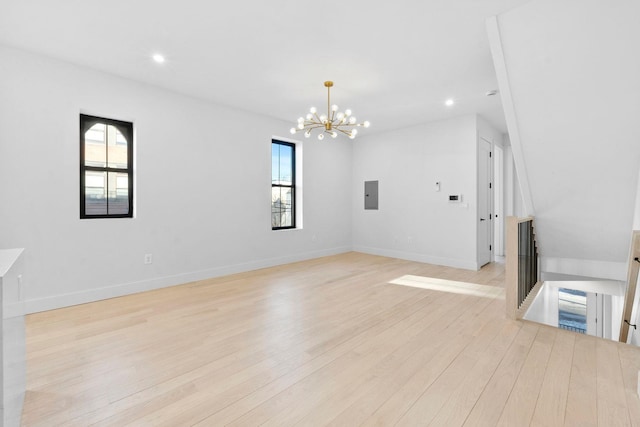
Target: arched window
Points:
(106, 168)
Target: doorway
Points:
(485, 202)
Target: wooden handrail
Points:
(632, 281)
(522, 219)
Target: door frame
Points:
(498, 200)
(479, 187)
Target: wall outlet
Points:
(148, 258)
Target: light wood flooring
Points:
(329, 341)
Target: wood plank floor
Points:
(331, 341)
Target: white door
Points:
(485, 231)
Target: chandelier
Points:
(332, 123)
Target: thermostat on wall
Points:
(456, 198)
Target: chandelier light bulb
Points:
(292, 130)
(332, 123)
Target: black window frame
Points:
(126, 128)
(292, 186)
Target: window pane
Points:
(281, 202)
(281, 164)
(95, 193)
(275, 163)
(572, 310)
(95, 153)
(118, 193)
(106, 193)
(117, 146)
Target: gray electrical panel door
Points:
(371, 195)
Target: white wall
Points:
(636, 214)
(519, 209)
(202, 176)
(488, 132)
(414, 221)
(574, 83)
(513, 201)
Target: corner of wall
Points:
(497, 52)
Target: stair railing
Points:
(522, 273)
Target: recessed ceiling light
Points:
(158, 58)
(449, 102)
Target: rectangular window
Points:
(106, 168)
(283, 189)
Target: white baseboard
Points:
(410, 256)
(97, 294)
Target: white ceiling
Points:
(393, 63)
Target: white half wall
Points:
(585, 268)
(202, 182)
(414, 221)
(545, 306)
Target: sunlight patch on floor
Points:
(451, 286)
